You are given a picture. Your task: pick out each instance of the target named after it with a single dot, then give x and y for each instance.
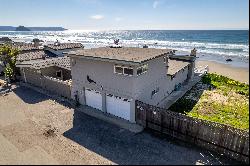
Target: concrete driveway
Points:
(35, 129)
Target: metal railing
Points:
(200, 70)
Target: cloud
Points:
(97, 17)
(118, 19)
(155, 4)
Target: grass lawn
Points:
(219, 99)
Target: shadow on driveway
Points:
(124, 147)
(29, 96)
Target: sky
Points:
(127, 14)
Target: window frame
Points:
(123, 67)
(115, 69)
(129, 68)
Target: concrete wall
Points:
(51, 72)
(155, 78)
(32, 76)
(180, 77)
(103, 74)
(132, 87)
(107, 82)
(56, 86)
(35, 78)
(191, 70)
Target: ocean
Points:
(213, 45)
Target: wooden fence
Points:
(221, 138)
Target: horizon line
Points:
(69, 29)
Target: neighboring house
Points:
(4, 40)
(59, 49)
(112, 79)
(44, 68)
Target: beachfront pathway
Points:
(35, 129)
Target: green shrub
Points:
(226, 84)
(234, 111)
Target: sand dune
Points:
(236, 73)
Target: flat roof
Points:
(63, 62)
(31, 55)
(25, 46)
(129, 54)
(175, 66)
(62, 46)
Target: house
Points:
(4, 40)
(45, 68)
(112, 79)
(59, 49)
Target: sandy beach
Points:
(236, 73)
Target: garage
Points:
(118, 106)
(93, 98)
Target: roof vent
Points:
(116, 41)
(57, 43)
(116, 44)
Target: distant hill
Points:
(22, 28)
(47, 28)
(12, 28)
(7, 28)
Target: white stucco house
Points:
(112, 79)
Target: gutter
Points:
(114, 60)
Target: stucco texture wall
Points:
(103, 74)
(54, 85)
(135, 87)
(51, 72)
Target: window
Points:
(139, 71)
(124, 70)
(59, 73)
(118, 70)
(128, 71)
(142, 69)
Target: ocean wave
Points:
(92, 39)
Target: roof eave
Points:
(105, 59)
(115, 60)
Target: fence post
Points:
(145, 116)
(200, 132)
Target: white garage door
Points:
(93, 98)
(118, 106)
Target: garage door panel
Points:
(118, 107)
(93, 99)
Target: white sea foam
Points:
(101, 38)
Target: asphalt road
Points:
(40, 130)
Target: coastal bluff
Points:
(23, 28)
